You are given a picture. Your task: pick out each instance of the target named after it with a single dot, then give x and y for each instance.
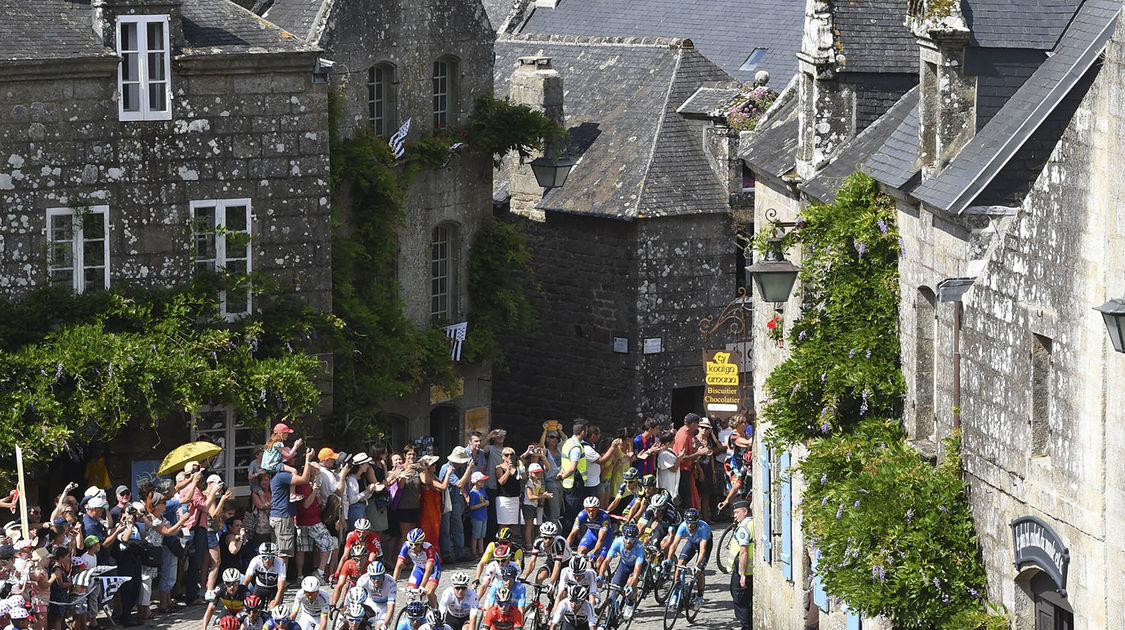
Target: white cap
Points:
(96, 502)
(477, 476)
(534, 468)
(213, 478)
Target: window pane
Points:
(93, 278)
(93, 225)
(93, 253)
(157, 99)
(62, 227)
(205, 247)
(236, 247)
(237, 301)
(128, 36)
(61, 255)
(156, 66)
(204, 219)
(130, 67)
(236, 267)
(62, 277)
(236, 218)
(155, 36)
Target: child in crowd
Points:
(276, 454)
(478, 512)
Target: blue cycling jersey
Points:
(702, 532)
(629, 557)
(595, 524)
(519, 594)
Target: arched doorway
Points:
(1051, 610)
(445, 427)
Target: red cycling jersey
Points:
(499, 619)
(371, 542)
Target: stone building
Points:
(999, 163)
(133, 131)
(424, 63)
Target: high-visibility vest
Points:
(580, 472)
(743, 535)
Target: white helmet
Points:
(591, 502)
(232, 576)
(460, 578)
(310, 584)
(549, 528)
(279, 612)
(356, 595)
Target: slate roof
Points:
(220, 26)
(497, 11)
(725, 31)
(710, 100)
(297, 16)
(1018, 23)
(827, 181)
(990, 150)
(45, 29)
(637, 156)
(873, 36)
(774, 147)
(894, 162)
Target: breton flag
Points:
(399, 138)
(456, 334)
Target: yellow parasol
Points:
(190, 452)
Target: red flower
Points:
(773, 322)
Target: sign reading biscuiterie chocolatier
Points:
(1037, 544)
(721, 394)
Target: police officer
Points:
(742, 569)
(573, 472)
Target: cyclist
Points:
(659, 519)
(632, 555)
(503, 537)
(503, 558)
(433, 621)
(279, 619)
(311, 605)
(226, 599)
(362, 535)
(380, 595)
(427, 565)
(741, 481)
(629, 494)
(696, 535)
(253, 613)
(553, 549)
(578, 572)
(229, 622)
(356, 615)
(458, 604)
(596, 524)
(353, 569)
(413, 616)
(574, 612)
(502, 615)
(268, 574)
(508, 575)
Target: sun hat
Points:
(360, 459)
(458, 455)
(281, 427)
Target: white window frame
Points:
(143, 79)
(221, 260)
(378, 98)
(444, 234)
(444, 94)
(231, 463)
(78, 245)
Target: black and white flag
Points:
(399, 138)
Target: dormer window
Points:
(143, 78)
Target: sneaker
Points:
(320, 575)
(628, 612)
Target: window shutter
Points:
(786, 551)
(766, 486)
(854, 621)
(820, 598)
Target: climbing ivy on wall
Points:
(895, 534)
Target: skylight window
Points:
(753, 60)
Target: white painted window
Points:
(444, 80)
(78, 247)
(239, 440)
(221, 234)
(443, 265)
(144, 75)
(380, 98)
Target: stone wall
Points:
(261, 134)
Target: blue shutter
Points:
(766, 484)
(820, 598)
(786, 519)
(854, 621)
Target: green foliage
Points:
(499, 266)
(895, 534)
(844, 359)
(78, 368)
(499, 126)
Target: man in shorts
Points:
(282, 511)
(312, 534)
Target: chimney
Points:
(106, 13)
(826, 107)
(539, 86)
(947, 103)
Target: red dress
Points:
(429, 509)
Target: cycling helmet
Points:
(416, 536)
(502, 552)
(356, 595)
(630, 530)
(433, 618)
(416, 610)
(509, 572)
(267, 549)
(591, 502)
(577, 592)
(460, 578)
(748, 457)
(232, 576)
(631, 474)
(504, 534)
(648, 481)
(280, 612)
(310, 584)
(660, 500)
(253, 602)
(357, 551)
(503, 595)
(356, 612)
(376, 570)
(578, 565)
(691, 515)
(363, 525)
(548, 529)
(229, 622)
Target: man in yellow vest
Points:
(573, 472)
(742, 564)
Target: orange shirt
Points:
(498, 619)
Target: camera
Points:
(130, 510)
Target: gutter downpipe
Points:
(952, 290)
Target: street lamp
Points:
(773, 275)
(551, 172)
(1113, 312)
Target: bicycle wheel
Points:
(672, 607)
(691, 608)
(722, 558)
(604, 616)
(533, 618)
(661, 586)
